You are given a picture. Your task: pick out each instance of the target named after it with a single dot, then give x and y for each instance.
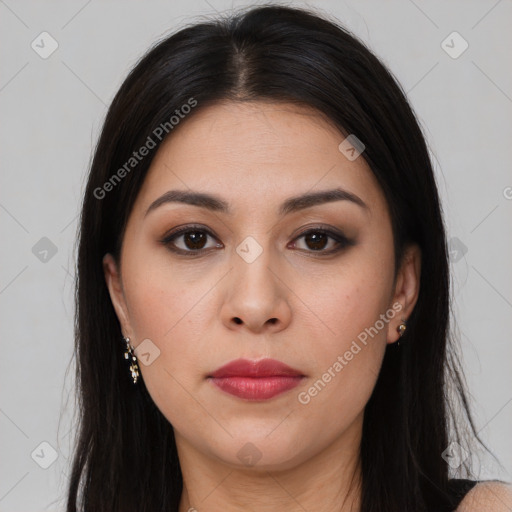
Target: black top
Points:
(458, 489)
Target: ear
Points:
(115, 288)
(407, 287)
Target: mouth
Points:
(256, 380)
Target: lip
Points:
(261, 368)
(256, 380)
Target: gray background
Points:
(53, 108)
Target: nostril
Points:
(237, 320)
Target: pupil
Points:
(318, 240)
(195, 240)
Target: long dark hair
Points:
(125, 455)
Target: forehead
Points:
(257, 152)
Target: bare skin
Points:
(298, 302)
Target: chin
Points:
(261, 453)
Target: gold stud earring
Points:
(134, 367)
(401, 331)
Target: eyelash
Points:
(341, 240)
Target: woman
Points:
(262, 240)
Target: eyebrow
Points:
(293, 204)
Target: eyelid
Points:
(177, 232)
(333, 233)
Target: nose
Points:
(256, 296)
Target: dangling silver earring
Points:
(401, 331)
(134, 367)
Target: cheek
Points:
(164, 297)
(355, 312)
(349, 355)
(172, 311)
(173, 317)
(350, 300)
(346, 364)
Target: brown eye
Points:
(323, 241)
(316, 241)
(189, 240)
(194, 239)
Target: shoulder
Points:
(492, 496)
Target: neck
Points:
(329, 481)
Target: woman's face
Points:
(260, 273)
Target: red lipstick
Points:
(256, 380)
